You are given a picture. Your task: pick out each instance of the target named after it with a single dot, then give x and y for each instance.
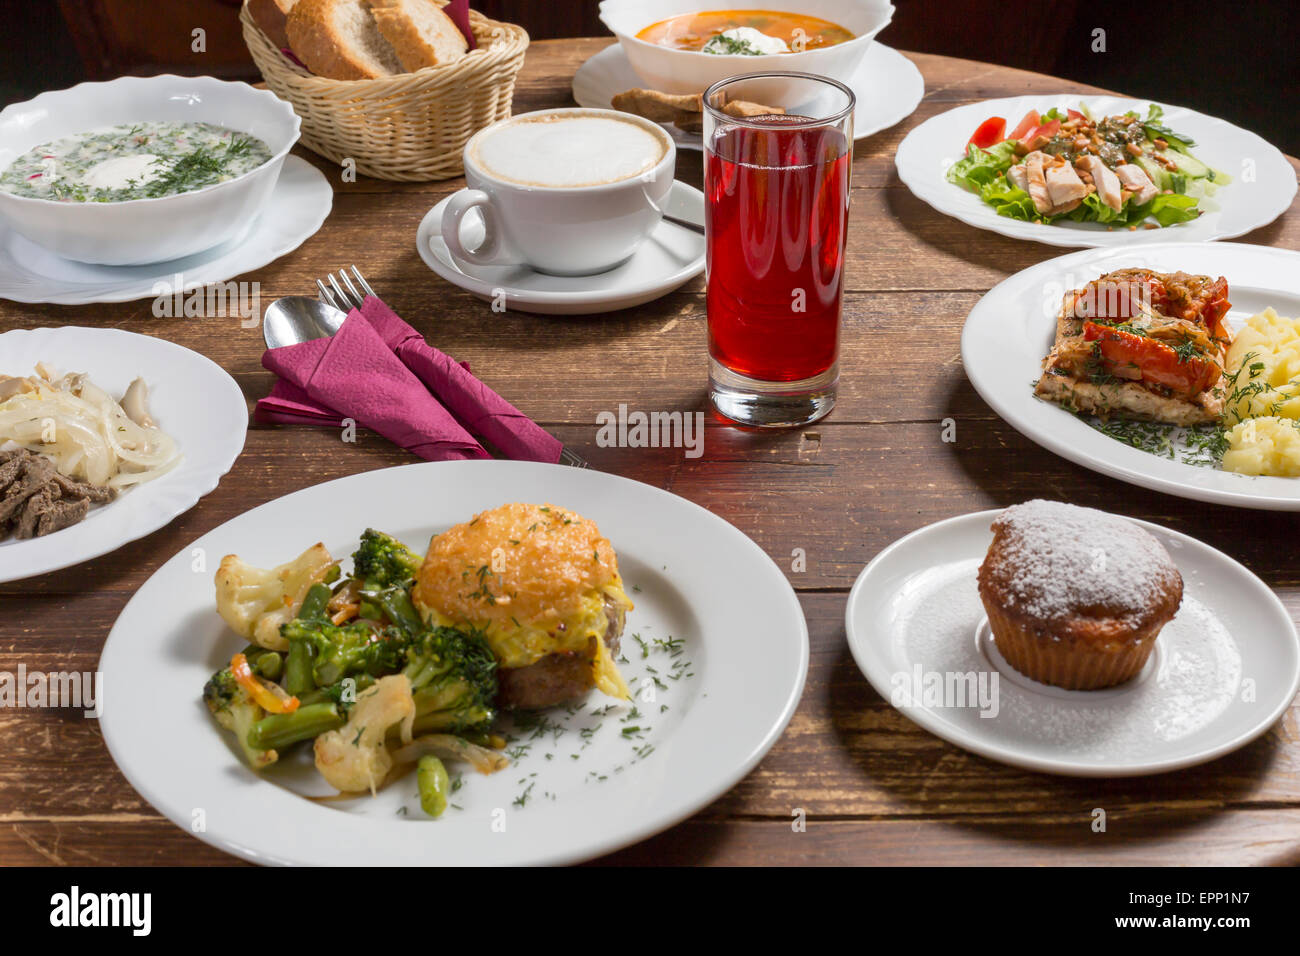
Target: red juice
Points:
(777, 208)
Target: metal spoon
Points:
(299, 318)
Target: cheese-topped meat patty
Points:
(542, 585)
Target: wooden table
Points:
(876, 788)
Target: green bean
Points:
(278, 731)
(313, 604)
(434, 785)
(269, 665)
(298, 679)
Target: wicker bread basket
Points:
(410, 127)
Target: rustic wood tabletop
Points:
(876, 788)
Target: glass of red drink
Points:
(776, 187)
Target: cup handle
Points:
(493, 250)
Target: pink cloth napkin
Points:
(322, 381)
(477, 407)
(458, 10)
(354, 373)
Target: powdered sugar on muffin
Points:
(1066, 561)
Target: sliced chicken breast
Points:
(1107, 183)
(1036, 181)
(1135, 178)
(1064, 187)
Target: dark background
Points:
(1232, 60)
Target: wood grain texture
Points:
(875, 787)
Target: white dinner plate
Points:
(887, 84)
(670, 256)
(301, 200)
(1013, 326)
(1261, 188)
(724, 700)
(1223, 670)
(192, 398)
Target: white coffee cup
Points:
(562, 191)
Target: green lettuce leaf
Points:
(979, 167)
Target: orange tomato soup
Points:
(690, 31)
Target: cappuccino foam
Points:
(568, 149)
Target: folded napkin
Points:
(381, 374)
(477, 407)
(354, 373)
(458, 10)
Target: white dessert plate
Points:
(887, 84)
(301, 200)
(1222, 673)
(670, 256)
(1012, 328)
(1261, 188)
(726, 695)
(192, 398)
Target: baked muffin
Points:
(1076, 597)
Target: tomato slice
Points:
(1158, 362)
(1039, 136)
(989, 132)
(1074, 115)
(1031, 121)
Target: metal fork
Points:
(333, 292)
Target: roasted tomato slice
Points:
(1158, 362)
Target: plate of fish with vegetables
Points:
(1174, 367)
(1075, 170)
(453, 663)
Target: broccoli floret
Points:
(237, 712)
(337, 651)
(382, 561)
(454, 681)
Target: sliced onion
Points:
(450, 747)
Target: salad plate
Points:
(194, 401)
(915, 611)
(1012, 327)
(1260, 183)
(714, 618)
(887, 84)
(299, 204)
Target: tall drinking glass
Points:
(776, 189)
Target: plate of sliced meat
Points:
(105, 436)
(1174, 367)
(1073, 169)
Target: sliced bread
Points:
(273, 17)
(421, 33)
(338, 39)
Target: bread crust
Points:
(315, 40)
(414, 48)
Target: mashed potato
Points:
(1264, 446)
(1264, 369)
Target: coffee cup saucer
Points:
(670, 256)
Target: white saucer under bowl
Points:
(1224, 669)
(670, 256)
(301, 200)
(887, 84)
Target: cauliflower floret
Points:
(255, 601)
(354, 758)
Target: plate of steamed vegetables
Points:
(453, 663)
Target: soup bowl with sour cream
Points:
(664, 62)
(141, 170)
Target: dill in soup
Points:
(139, 161)
(745, 32)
